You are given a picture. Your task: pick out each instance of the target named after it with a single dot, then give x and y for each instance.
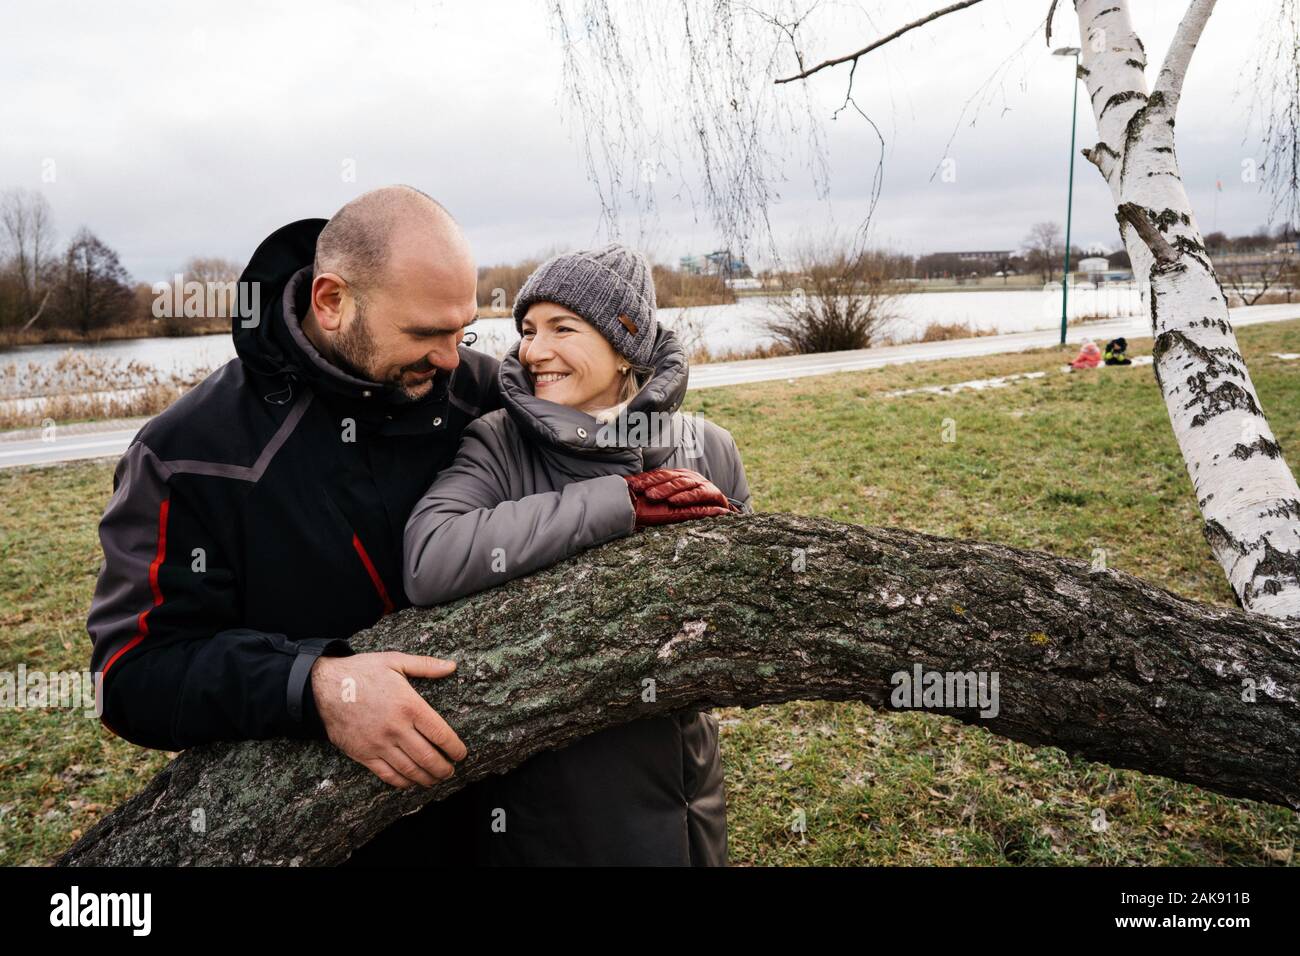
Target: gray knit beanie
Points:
(611, 288)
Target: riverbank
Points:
(101, 389)
(12, 338)
(1063, 463)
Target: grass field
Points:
(1062, 463)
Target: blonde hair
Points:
(633, 381)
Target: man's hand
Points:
(373, 715)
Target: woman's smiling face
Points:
(570, 361)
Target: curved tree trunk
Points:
(752, 610)
(1247, 495)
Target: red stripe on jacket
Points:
(374, 575)
(142, 621)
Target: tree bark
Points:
(753, 610)
(1248, 497)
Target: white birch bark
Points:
(1247, 495)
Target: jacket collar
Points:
(646, 432)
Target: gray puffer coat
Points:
(532, 484)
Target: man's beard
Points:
(354, 349)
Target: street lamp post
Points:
(1069, 202)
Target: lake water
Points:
(721, 328)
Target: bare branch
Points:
(1051, 11)
(982, 97)
(1136, 216)
(881, 42)
(1169, 84)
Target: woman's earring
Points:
(623, 369)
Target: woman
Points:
(588, 447)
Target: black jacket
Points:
(245, 536)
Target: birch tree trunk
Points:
(752, 610)
(1247, 495)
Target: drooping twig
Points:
(881, 42)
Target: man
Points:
(257, 523)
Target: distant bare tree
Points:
(95, 290)
(1044, 249)
(1250, 283)
(218, 278)
(211, 269)
(27, 232)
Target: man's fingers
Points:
(381, 769)
(426, 756)
(407, 764)
(417, 665)
(439, 733)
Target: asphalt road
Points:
(110, 439)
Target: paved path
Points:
(110, 438)
(798, 366)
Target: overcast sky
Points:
(179, 129)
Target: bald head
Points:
(376, 231)
(394, 289)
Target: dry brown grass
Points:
(80, 386)
(943, 331)
(675, 289)
(1268, 298)
(690, 332)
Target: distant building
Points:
(1094, 264)
(720, 263)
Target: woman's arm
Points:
(725, 467)
(465, 535)
(739, 491)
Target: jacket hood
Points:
(268, 272)
(636, 437)
(272, 342)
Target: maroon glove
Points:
(668, 495)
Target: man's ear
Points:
(327, 300)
